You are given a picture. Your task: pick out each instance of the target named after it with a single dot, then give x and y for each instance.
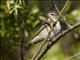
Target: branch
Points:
(77, 54)
(56, 39)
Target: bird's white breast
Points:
(47, 30)
(57, 30)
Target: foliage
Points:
(19, 20)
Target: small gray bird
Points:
(45, 29)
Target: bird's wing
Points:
(42, 27)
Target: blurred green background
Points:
(20, 19)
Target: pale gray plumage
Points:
(52, 17)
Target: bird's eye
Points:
(52, 14)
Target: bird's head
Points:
(53, 16)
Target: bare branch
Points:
(77, 54)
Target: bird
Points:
(45, 29)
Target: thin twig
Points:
(77, 54)
(60, 13)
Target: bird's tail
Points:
(27, 45)
(33, 41)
